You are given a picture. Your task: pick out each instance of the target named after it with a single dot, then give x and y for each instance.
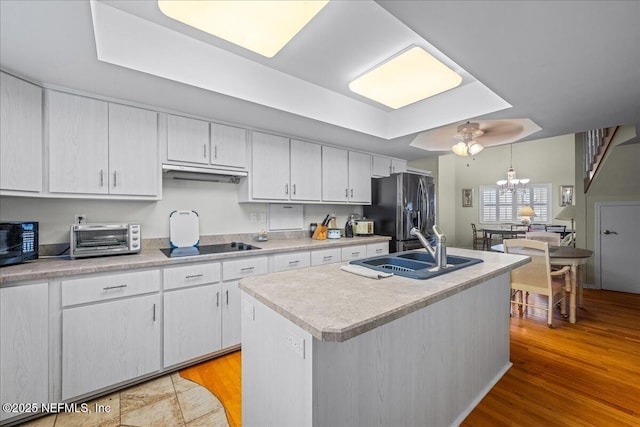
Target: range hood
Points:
(193, 173)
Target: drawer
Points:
(190, 275)
(290, 261)
(374, 249)
(109, 286)
(244, 267)
(354, 252)
(326, 256)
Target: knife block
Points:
(320, 233)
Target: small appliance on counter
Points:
(363, 227)
(334, 233)
(18, 242)
(89, 240)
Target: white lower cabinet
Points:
(290, 261)
(24, 354)
(375, 249)
(192, 323)
(354, 252)
(230, 313)
(109, 343)
(325, 256)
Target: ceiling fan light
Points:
(475, 148)
(408, 77)
(501, 182)
(262, 26)
(460, 149)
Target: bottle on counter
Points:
(332, 221)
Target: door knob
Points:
(609, 232)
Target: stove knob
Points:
(233, 244)
(240, 246)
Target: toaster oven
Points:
(363, 227)
(89, 240)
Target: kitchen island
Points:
(323, 347)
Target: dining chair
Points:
(567, 240)
(478, 239)
(544, 236)
(556, 229)
(537, 227)
(537, 277)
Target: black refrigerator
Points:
(398, 203)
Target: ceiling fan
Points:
(471, 137)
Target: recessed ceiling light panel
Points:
(411, 76)
(261, 26)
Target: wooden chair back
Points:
(544, 236)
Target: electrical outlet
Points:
(296, 343)
(79, 219)
(254, 217)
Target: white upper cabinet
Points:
(228, 146)
(385, 166)
(270, 167)
(133, 151)
(187, 140)
(335, 174)
(203, 143)
(20, 135)
(346, 176)
(100, 148)
(78, 144)
(306, 171)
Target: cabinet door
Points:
(191, 323)
(108, 343)
(335, 175)
(398, 166)
(231, 332)
(380, 166)
(270, 167)
(306, 171)
(24, 351)
(187, 140)
(359, 177)
(228, 146)
(20, 135)
(78, 144)
(133, 151)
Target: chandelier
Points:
(468, 145)
(512, 183)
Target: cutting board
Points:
(184, 229)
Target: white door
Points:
(270, 167)
(619, 246)
(335, 175)
(187, 140)
(133, 151)
(306, 171)
(359, 177)
(230, 313)
(191, 323)
(228, 146)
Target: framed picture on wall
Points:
(566, 195)
(467, 197)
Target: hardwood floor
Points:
(583, 374)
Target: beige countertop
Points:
(46, 268)
(334, 305)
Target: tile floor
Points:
(166, 401)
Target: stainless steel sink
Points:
(415, 264)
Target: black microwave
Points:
(18, 242)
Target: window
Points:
(499, 206)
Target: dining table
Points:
(561, 256)
(505, 233)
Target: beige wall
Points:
(216, 203)
(548, 160)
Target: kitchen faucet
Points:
(439, 253)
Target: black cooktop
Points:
(208, 249)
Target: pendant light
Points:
(511, 183)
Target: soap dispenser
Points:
(348, 228)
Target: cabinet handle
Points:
(217, 299)
(352, 193)
(286, 189)
(154, 312)
(204, 150)
(101, 178)
(215, 151)
(114, 287)
(378, 251)
(346, 192)
(327, 258)
(247, 268)
(193, 276)
(355, 253)
(115, 178)
(294, 262)
(390, 169)
(227, 295)
(294, 189)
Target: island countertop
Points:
(334, 305)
